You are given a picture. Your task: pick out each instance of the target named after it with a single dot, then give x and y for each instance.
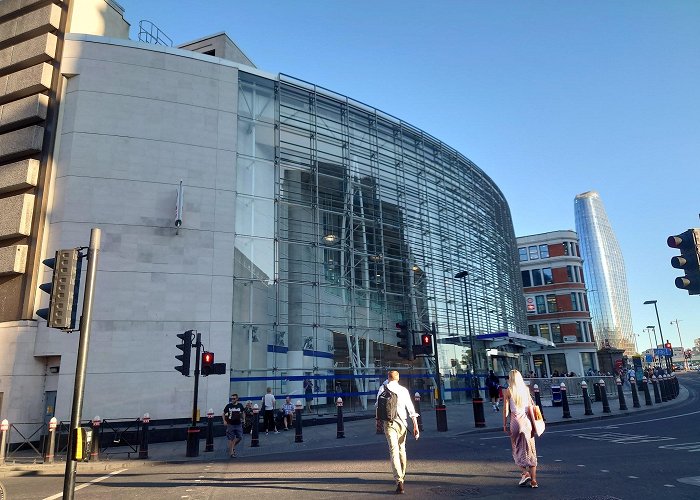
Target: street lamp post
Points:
(477, 402)
(656, 343)
(680, 339)
(661, 333)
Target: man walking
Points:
(395, 429)
(233, 418)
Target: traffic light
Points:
(186, 348)
(426, 341)
(63, 290)
(207, 363)
(405, 342)
(211, 368)
(688, 243)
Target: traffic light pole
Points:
(193, 430)
(81, 365)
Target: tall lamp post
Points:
(477, 402)
(680, 339)
(661, 333)
(656, 343)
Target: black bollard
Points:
(671, 390)
(441, 418)
(620, 394)
(564, 402)
(143, 446)
(655, 383)
(416, 405)
(635, 394)
(255, 429)
(538, 400)
(677, 385)
(604, 396)
(645, 388)
(298, 436)
(95, 444)
(596, 390)
(586, 399)
(192, 441)
(662, 388)
(209, 443)
(477, 405)
(341, 428)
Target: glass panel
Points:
(522, 252)
(541, 308)
(534, 255)
(544, 331)
(537, 277)
(526, 278)
(551, 303)
(255, 177)
(557, 363)
(547, 275)
(544, 252)
(556, 333)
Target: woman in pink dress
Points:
(516, 404)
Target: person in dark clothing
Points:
(492, 384)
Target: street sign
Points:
(663, 352)
(648, 358)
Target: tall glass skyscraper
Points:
(604, 272)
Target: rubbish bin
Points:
(556, 395)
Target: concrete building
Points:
(310, 223)
(557, 306)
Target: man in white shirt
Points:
(395, 430)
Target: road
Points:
(655, 454)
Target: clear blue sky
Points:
(549, 98)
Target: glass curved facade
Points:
(604, 271)
(348, 221)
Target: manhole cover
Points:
(455, 491)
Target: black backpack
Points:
(387, 404)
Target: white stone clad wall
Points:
(135, 122)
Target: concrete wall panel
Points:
(16, 216)
(13, 259)
(19, 175)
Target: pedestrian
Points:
(233, 418)
(395, 430)
(288, 409)
(492, 385)
(308, 391)
(268, 404)
(516, 403)
(249, 415)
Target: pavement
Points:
(460, 421)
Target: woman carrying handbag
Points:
(517, 405)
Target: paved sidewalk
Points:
(460, 421)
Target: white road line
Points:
(633, 477)
(604, 470)
(85, 485)
(670, 485)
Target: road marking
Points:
(85, 485)
(617, 437)
(558, 460)
(689, 447)
(604, 470)
(633, 477)
(580, 465)
(670, 485)
(695, 481)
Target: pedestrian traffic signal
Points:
(186, 347)
(207, 362)
(688, 243)
(405, 342)
(425, 348)
(63, 289)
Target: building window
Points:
(532, 251)
(557, 363)
(523, 254)
(579, 331)
(566, 248)
(532, 330)
(536, 277)
(574, 302)
(547, 276)
(544, 252)
(544, 331)
(570, 274)
(556, 333)
(526, 278)
(587, 361)
(551, 303)
(541, 308)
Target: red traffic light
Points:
(426, 339)
(207, 358)
(668, 345)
